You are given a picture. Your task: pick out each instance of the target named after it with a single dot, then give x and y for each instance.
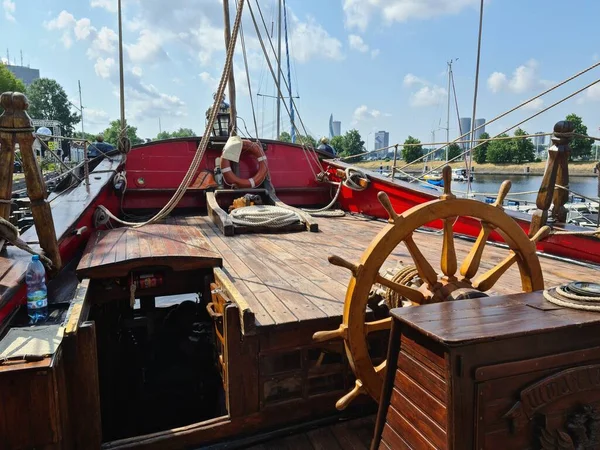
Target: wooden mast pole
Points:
(17, 128)
(231, 79)
(121, 71)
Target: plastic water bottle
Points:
(37, 294)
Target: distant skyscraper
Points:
(335, 127)
(478, 133)
(465, 127)
(25, 74)
(382, 140)
(539, 140)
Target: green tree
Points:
(183, 132)
(163, 135)
(48, 100)
(338, 143)
(8, 82)
(480, 152)
(285, 137)
(352, 145)
(111, 134)
(524, 150)
(87, 136)
(500, 151)
(412, 152)
(308, 140)
(453, 151)
(581, 148)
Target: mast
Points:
(121, 74)
(475, 97)
(278, 69)
(81, 110)
(289, 77)
(448, 111)
(231, 79)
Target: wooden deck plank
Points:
(279, 272)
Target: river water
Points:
(587, 186)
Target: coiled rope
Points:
(392, 298)
(269, 216)
(561, 296)
(188, 178)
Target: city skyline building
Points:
(335, 127)
(478, 123)
(26, 74)
(382, 140)
(464, 127)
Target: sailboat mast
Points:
(81, 110)
(289, 77)
(475, 97)
(278, 69)
(231, 79)
(121, 74)
(448, 111)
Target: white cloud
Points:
(413, 80)
(591, 94)
(358, 13)
(95, 116)
(10, 7)
(83, 28)
(375, 53)
(525, 78)
(311, 40)
(109, 5)
(209, 80)
(357, 43)
(428, 96)
(148, 48)
(497, 82)
(363, 113)
(535, 105)
(104, 67)
(103, 42)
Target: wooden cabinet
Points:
(495, 373)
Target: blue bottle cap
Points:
(35, 257)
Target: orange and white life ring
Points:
(255, 150)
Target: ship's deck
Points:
(286, 278)
(348, 435)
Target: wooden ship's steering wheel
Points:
(436, 287)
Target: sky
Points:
(373, 64)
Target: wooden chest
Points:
(510, 372)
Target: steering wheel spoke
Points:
(448, 262)
(470, 265)
(426, 272)
(378, 325)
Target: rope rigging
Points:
(202, 146)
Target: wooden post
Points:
(556, 171)
(7, 155)
(231, 79)
(395, 159)
(20, 127)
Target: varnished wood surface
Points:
(348, 435)
(114, 253)
(493, 318)
(286, 278)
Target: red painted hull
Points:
(404, 196)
